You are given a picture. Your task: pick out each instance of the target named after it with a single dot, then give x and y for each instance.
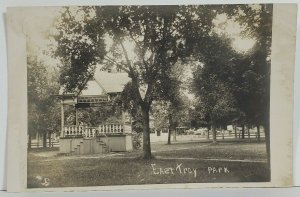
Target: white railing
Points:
(90, 132)
(73, 130)
(85, 131)
(110, 128)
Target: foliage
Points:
(94, 116)
(254, 75)
(77, 47)
(214, 81)
(156, 32)
(147, 42)
(43, 113)
(245, 77)
(258, 21)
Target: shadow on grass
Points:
(136, 171)
(132, 169)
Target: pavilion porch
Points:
(83, 139)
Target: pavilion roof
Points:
(113, 82)
(103, 81)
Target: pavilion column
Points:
(123, 119)
(62, 120)
(76, 116)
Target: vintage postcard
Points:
(142, 97)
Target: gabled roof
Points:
(113, 82)
(92, 88)
(103, 82)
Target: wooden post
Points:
(76, 116)
(62, 134)
(123, 119)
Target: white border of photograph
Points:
(283, 43)
(40, 3)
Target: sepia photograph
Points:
(129, 95)
(141, 95)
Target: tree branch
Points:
(148, 98)
(116, 63)
(142, 51)
(135, 85)
(126, 55)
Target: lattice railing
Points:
(92, 99)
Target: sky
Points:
(38, 22)
(233, 30)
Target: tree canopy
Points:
(233, 85)
(148, 41)
(157, 33)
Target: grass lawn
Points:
(177, 163)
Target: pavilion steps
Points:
(90, 146)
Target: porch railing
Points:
(92, 99)
(111, 128)
(73, 130)
(85, 131)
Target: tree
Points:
(215, 102)
(249, 83)
(156, 32)
(170, 114)
(257, 20)
(42, 110)
(174, 105)
(213, 82)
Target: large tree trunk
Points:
(258, 133)
(235, 132)
(170, 128)
(146, 134)
(214, 132)
(243, 132)
(49, 138)
(169, 136)
(208, 129)
(44, 139)
(248, 131)
(267, 136)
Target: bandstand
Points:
(81, 139)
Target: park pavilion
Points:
(79, 138)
